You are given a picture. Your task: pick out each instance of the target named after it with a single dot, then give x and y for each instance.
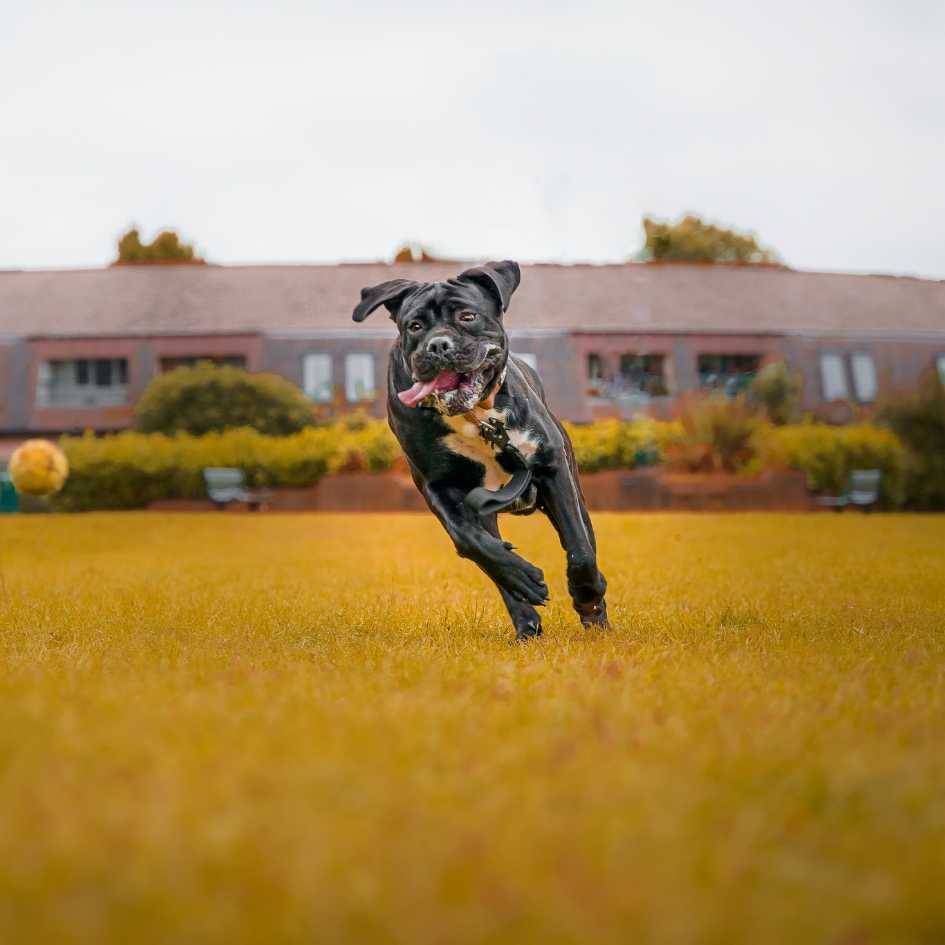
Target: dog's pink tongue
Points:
(416, 393)
(445, 380)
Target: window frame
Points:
(350, 389)
(327, 383)
(841, 361)
(89, 380)
(643, 380)
(864, 358)
(730, 379)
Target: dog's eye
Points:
(468, 316)
(415, 326)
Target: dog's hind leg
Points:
(561, 499)
(525, 618)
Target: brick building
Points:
(78, 347)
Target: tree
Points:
(919, 421)
(207, 398)
(693, 240)
(165, 248)
(777, 389)
(414, 252)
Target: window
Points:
(641, 374)
(729, 373)
(84, 382)
(359, 377)
(528, 358)
(864, 377)
(833, 377)
(595, 373)
(316, 377)
(189, 360)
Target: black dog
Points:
(479, 436)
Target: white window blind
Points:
(833, 377)
(864, 377)
(359, 377)
(316, 377)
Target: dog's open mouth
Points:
(453, 392)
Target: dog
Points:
(479, 438)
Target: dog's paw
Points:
(528, 630)
(524, 581)
(593, 615)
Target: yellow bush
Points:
(621, 444)
(828, 454)
(129, 470)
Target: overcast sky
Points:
(284, 132)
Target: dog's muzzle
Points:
(451, 391)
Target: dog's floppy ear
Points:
(390, 294)
(500, 278)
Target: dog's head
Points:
(451, 334)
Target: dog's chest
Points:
(466, 440)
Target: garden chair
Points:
(226, 485)
(862, 491)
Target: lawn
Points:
(317, 728)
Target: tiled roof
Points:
(649, 298)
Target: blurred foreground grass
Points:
(316, 728)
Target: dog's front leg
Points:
(525, 618)
(513, 575)
(560, 498)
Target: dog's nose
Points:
(440, 346)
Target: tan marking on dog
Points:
(467, 441)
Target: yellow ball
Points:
(38, 467)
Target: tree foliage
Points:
(720, 434)
(919, 421)
(693, 240)
(777, 389)
(208, 398)
(414, 252)
(166, 247)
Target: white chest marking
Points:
(466, 441)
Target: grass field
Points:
(268, 729)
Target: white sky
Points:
(298, 132)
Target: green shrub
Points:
(777, 390)
(130, 470)
(919, 421)
(720, 434)
(621, 444)
(828, 454)
(208, 398)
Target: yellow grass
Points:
(268, 729)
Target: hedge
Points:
(828, 454)
(129, 470)
(619, 444)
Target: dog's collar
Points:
(516, 491)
